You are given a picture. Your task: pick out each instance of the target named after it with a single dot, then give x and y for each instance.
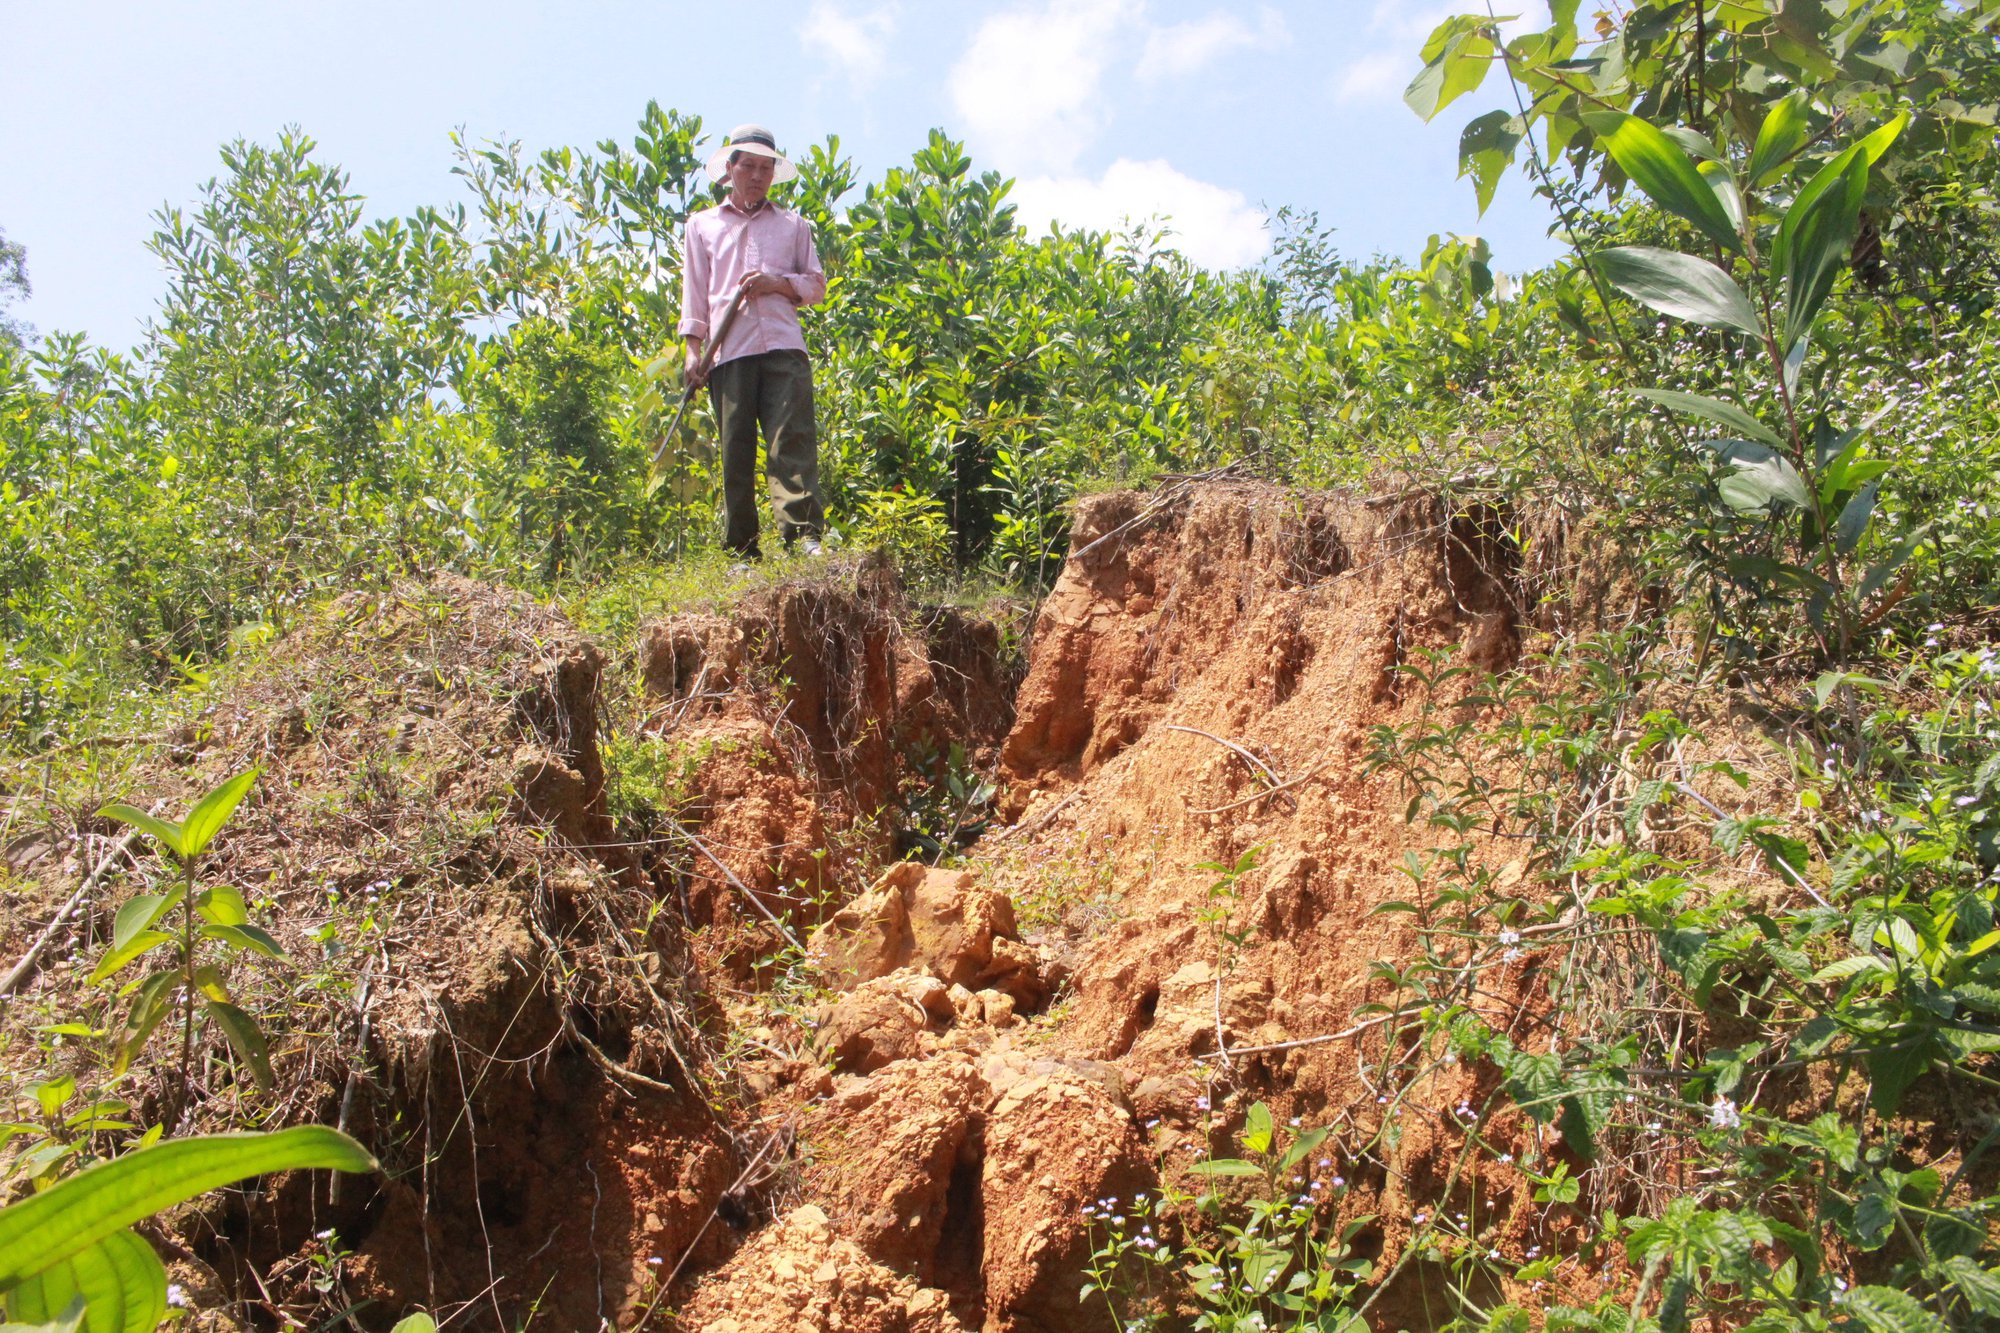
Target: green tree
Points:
(14, 287)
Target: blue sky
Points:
(1215, 114)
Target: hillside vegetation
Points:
(1353, 794)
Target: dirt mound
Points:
(525, 1006)
(803, 729)
(476, 984)
(1189, 762)
(968, 1170)
(798, 1274)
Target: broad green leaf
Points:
(150, 1006)
(1679, 285)
(53, 1094)
(139, 913)
(1716, 410)
(1816, 240)
(423, 1323)
(1718, 178)
(1892, 1069)
(222, 906)
(118, 957)
(121, 1281)
(1695, 144)
(252, 938)
(1966, 1044)
(1853, 521)
(1806, 203)
(1888, 1310)
(246, 1038)
(1980, 1286)
(1783, 132)
(1878, 575)
(166, 831)
(1486, 149)
(1662, 168)
(75, 1214)
(209, 982)
(70, 1321)
(1307, 1143)
(1264, 1265)
(1224, 1166)
(1763, 481)
(1902, 937)
(1456, 59)
(1258, 1128)
(207, 818)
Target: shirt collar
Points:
(729, 202)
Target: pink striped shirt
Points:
(724, 243)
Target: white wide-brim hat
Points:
(751, 139)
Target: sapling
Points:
(212, 920)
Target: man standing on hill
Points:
(749, 248)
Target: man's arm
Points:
(694, 298)
(808, 285)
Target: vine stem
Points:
(1830, 560)
(1537, 165)
(187, 985)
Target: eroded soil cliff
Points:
(707, 1052)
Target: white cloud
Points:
(1212, 225)
(858, 43)
(1182, 48)
(1380, 77)
(1028, 85)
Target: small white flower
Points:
(1510, 937)
(177, 1296)
(1724, 1115)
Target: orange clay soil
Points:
(1202, 682)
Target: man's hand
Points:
(757, 283)
(694, 374)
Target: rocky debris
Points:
(798, 1275)
(943, 922)
(883, 1020)
(969, 1172)
(1056, 1138)
(889, 1149)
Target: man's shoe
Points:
(809, 545)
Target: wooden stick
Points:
(1354, 1031)
(1306, 776)
(21, 969)
(1244, 754)
(702, 367)
(674, 830)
